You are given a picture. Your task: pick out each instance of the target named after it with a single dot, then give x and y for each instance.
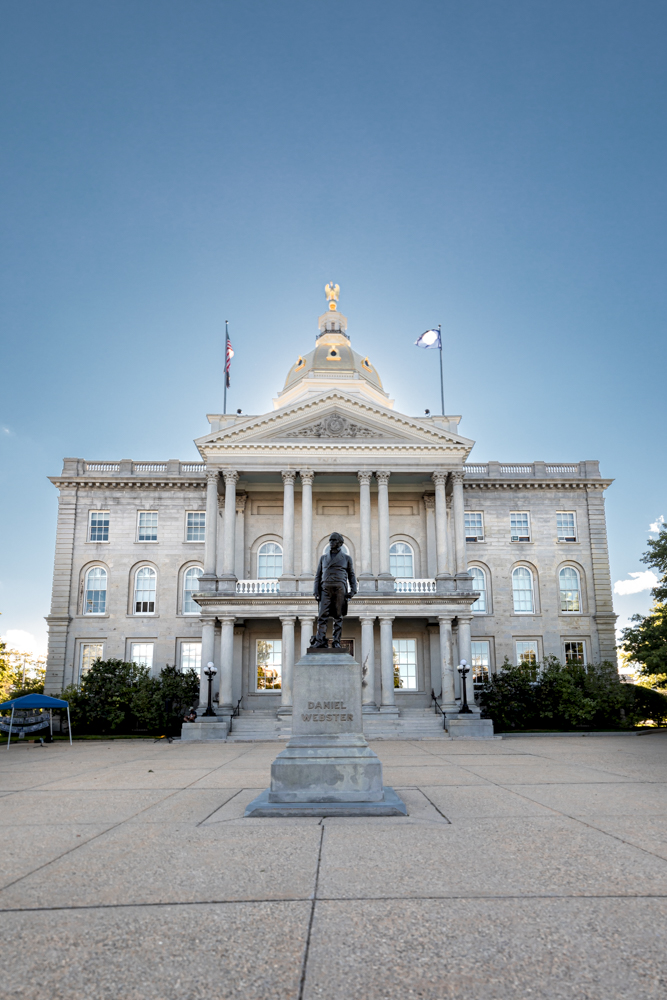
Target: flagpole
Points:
(442, 381)
(224, 397)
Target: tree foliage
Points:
(645, 642)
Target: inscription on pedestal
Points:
(327, 695)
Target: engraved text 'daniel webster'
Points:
(334, 426)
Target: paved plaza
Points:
(527, 867)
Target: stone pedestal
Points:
(206, 728)
(327, 768)
(469, 727)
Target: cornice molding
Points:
(550, 484)
(128, 484)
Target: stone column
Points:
(227, 583)
(368, 660)
(387, 661)
(288, 579)
(307, 629)
(226, 670)
(287, 666)
(434, 655)
(465, 653)
(451, 562)
(431, 557)
(366, 578)
(444, 581)
(208, 580)
(207, 656)
(239, 554)
(307, 575)
(385, 579)
(459, 528)
(447, 664)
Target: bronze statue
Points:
(334, 571)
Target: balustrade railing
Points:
(411, 586)
(258, 587)
(102, 466)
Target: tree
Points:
(646, 642)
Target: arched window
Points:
(144, 591)
(570, 589)
(479, 583)
(190, 584)
(522, 590)
(401, 560)
(269, 561)
(95, 592)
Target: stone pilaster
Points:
(366, 578)
(604, 616)
(447, 664)
(387, 662)
(307, 575)
(226, 669)
(227, 582)
(208, 580)
(287, 665)
(368, 661)
(59, 618)
(385, 579)
(444, 582)
(288, 579)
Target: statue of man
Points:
(334, 571)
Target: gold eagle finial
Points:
(332, 292)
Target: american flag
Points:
(229, 354)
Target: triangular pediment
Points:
(333, 418)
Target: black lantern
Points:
(210, 673)
(464, 670)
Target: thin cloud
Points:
(657, 524)
(640, 581)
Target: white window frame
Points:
(402, 576)
(270, 541)
(194, 541)
(188, 643)
(573, 515)
(515, 532)
(561, 591)
(583, 644)
(480, 515)
(96, 541)
(485, 592)
(522, 642)
(141, 642)
(147, 541)
(474, 653)
(95, 614)
(141, 614)
(83, 645)
(395, 651)
(271, 690)
(532, 591)
(187, 570)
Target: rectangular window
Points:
(575, 652)
(147, 531)
(90, 651)
(567, 527)
(519, 527)
(142, 652)
(405, 664)
(196, 526)
(526, 652)
(98, 528)
(191, 656)
(269, 664)
(474, 526)
(480, 660)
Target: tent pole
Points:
(69, 725)
(10, 728)
(51, 721)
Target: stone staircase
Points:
(412, 724)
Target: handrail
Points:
(439, 708)
(235, 712)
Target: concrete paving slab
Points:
(564, 949)
(81, 806)
(27, 848)
(410, 775)
(627, 798)
(646, 832)
(123, 777)
(235, 806)
(539, 774)
(188, 805)
(482, 802)
(242, 951)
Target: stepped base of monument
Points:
(389, 805)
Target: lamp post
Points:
(464, 670)
(210, 673)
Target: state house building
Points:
(191, 562)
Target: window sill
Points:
(96, 617)
(192, 541)
(571, 614)
(567, 541)
(90, 541)
(526, 614)
(521, 541)
(145, 615)
(140, 541)
(193, 616)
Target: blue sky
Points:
(494, 167)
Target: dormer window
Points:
(301, 362)
(333, 355)
(367, 365)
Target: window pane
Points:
(90, 651)
(95, 595)
(405, 664)
(190, 585)
(522, 589)
(474, 527)
(526, 652)
(401, 562)
(478, 583)
(144, 591)
(148, 526)
(575, 652)
(269, 664)
(142, 653)
(269, 561)
(480, 661)
(519, 528)
(191, 656)
(196, 526)
(568, 579)
(99, 526)
(566, 527)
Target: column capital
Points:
(464, 619)
(367, 618)
(382, 476)
(287, 619)
(447, 618)
(458, 476)
(212, 476)
(439, 477)
(241, 500)
(305, 475)
(227, 619)
(365, 477)
(386, 618)
(231, 476)
(429, 501)
(289, 475)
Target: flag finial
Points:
(332, 292)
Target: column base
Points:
(285, 711)
(369, 709)
(389, 710)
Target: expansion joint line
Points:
(313, 900)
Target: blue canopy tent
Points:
(35, 701)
